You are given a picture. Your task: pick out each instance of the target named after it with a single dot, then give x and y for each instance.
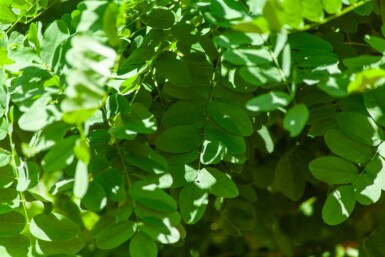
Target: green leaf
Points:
(159, 18)
(7, 177)
(152, 197)
(70, 247)
(333, 170)
(339, 205)
(3, 128)
(55, 34)
(312, 10)
(268, 102)
(346, 147)
(296, 119)
(28, 176)
(139, 119)
(217, 182)
(230, 117)
(247, 57)
(375, 169)
(179, 74)
(366, 190)
(14, 246)
(185, 112)
(260, 75)
(375, 105)
(60, 156)
(179, 139)
(109, 23)
(192, 203)
(376, 43)
(112, 182)
(115, 235)
(369, 78)
(332, 6)
(11, 224)
(9, 200)
(143, 157)
(6, 14)
(360, 128)
(288, 178)
(5, 157)
(212, 152)
(81, 179)
(95, 199)
(141, 246)
(53, 227)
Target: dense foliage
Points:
(192, 128)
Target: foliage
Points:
(192, 128)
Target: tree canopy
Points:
(192, 128)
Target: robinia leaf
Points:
(115, 235)
(346, 147)
(339, 205)
(141, 246)
(11, 224)
(179, 139)
(173, 68)
(70, 247)
(366, 190)
(53, 227)
(217, 182)
(14, 246)
(333, 170)
(295, 119)
(269, 102)
(192, 203)
(360, 128)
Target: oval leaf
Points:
(339, 205)
(333, 170)
(53, 227)
(115, 235)
(346, 147)
(269, 102)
